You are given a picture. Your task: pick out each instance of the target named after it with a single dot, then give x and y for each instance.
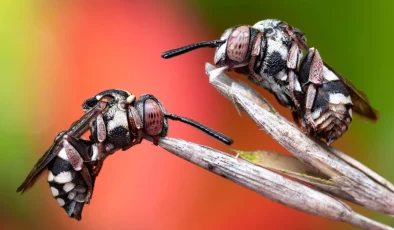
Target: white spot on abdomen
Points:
(329, 75)
(338, 108)
(60, 201)
(80, 189)
(322, 118)
(54, 191)
(316, 114)
(63, 177)
(71, 195)
(339, 98)
(81, 198)
(95, 152)
(68, 186)
(62, 154)
(50, 176)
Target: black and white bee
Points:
(116, 120)
(270, 54)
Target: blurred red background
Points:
(81, 49)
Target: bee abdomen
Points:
(67, 185)
(332, 125)
(332, 111)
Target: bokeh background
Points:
(54, 54)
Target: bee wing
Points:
(40, 166)
(360, 101)
(76, 130)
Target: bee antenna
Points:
(185, 49)
(205, 129)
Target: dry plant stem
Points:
(294, 168)
(350, 179)
(267, 183)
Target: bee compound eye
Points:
(153, 118)
(238, 44)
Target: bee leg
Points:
(310, 99)
(292, 85)
(76, 152)
(101, 136)
(89, 180)
(100, 159)
(296, 118)
(82, 146)
(101, 129)
(256, 77)
(136, 127)
(293, 60)
(71, 146)
(296, 35)
(80, 127)
(315, 80)
(255, 53)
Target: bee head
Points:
(152, 114)
(155, 120)
(232, 49)
(236, 47)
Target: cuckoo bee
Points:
(270, 54)
(116, 121)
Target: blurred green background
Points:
(54, 54)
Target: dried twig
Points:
(355, 182)
(267, 183)
(341, 176)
